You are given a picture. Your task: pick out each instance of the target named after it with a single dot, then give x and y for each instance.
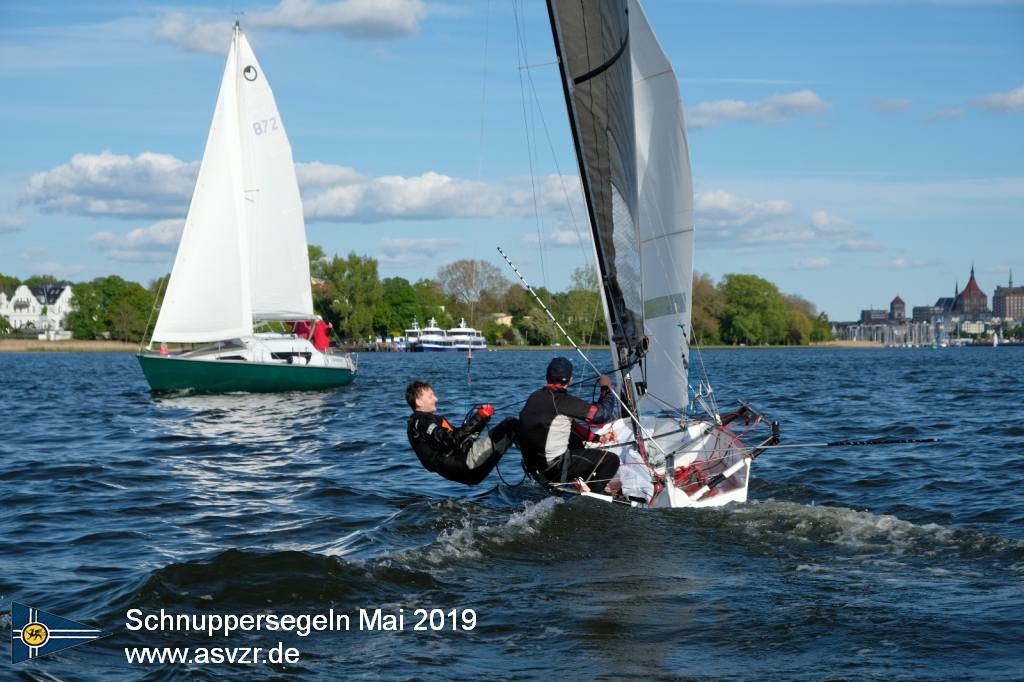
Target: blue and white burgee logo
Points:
(36, 633)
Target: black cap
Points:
(559, 371)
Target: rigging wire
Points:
(521, 59)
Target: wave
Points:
(824, 529)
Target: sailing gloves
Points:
(605, 382)
(485, 411)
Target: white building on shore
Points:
(44, 308)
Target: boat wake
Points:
(772, 526)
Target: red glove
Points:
(485, 411)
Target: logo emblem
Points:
(249, 72)
(36, 633)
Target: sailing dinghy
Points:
(243, 258)
(627, 121)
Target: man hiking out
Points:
(456, 454)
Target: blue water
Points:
(904, 561)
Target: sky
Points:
(847, 150)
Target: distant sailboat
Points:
(242, 258)
(627, 121)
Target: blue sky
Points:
(847, 150)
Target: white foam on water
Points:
(465, 542)
(864, 531)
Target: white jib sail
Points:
(208, 297)
(665, 216)
(278, 258)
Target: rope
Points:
(521, 481)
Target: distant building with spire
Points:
(1008, 301)
(972, 300)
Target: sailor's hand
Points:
(485, 411)
(607, 438)
(605, 381)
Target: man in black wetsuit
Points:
(455, 454)
(552, 442)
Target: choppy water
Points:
(904, 562)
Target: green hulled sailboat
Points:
(242, 258)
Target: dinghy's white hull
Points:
(688, 464)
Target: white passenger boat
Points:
(466, 338)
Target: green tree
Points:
(158, 288)
(471, 286)
(40, 280)
(798, 328)
(397, 308)
(821, 329)
(708, 307)
(755, 311)
(5, 325)
(431, 303)
(349, 293)
(110, 307)
(8, 284)
(517, 301)
(579, 309)
(537, 329)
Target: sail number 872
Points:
(264, 126)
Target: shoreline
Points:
(84, 346)
(72, 346)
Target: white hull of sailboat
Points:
(688, 464)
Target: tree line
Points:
(349, 292)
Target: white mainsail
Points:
(665, 216)
(242, 254)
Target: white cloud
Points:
(725, 219)
(773, 109)
(1003, 102)
(152, 244)
(812, 264)
(11, 223)
(399, 253)
(148, 185)
(556, 238)
(946, 114)
(317, 174)
(354, 18)
(423, 197)
(358, 19)
(829, 224)
(860, 245)
(890, 105)
(354, 198)
(155, 185)
(33, 252)
(901, 264)
(724, 212)
(191, 35)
